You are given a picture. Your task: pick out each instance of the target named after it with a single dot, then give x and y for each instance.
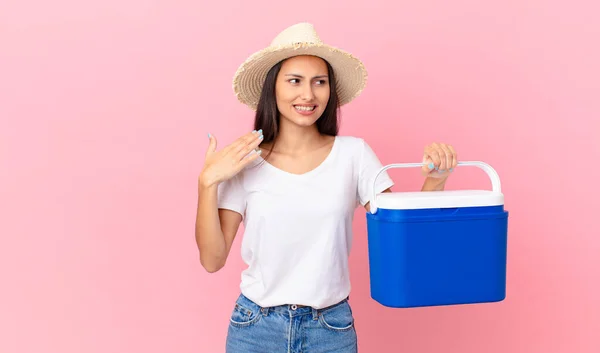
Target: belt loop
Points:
(264, 311)
(315, 314)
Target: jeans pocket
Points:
(243, 316)
(338, 318)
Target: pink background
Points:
(105, 108)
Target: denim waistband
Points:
(286, 309)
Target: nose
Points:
(307, 93)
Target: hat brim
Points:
(350, 72)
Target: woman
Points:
(297, 202)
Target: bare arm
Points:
(434, 184)
(216, 228)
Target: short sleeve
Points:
(231, 195)
(368, 166)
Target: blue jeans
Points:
(290, 329)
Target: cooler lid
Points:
(438, 199)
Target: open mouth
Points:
(305, 108)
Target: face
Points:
(302, 89)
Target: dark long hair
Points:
(267, 115)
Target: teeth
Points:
(306, 109)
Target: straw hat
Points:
(299, 39)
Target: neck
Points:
(293, 138)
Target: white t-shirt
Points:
(298, 228)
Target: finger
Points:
(235, 146)
(428, 165)
(254, 154)
(246, 140)
(447, 157)
(442, 165)
(212, 144)
(249, 148)
(433, 153)
(454, 157)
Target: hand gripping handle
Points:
(486, 167)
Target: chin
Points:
(304, 120)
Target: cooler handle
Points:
(486, 168)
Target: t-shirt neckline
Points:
(322, 165)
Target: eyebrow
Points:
(300, 76)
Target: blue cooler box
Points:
(437, 247)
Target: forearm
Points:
(209, 236)
(434, 184)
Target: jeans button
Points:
(294, 307)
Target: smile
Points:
(305, 108)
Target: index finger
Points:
(244, 140)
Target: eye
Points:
(294, 81)
(322, 82)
